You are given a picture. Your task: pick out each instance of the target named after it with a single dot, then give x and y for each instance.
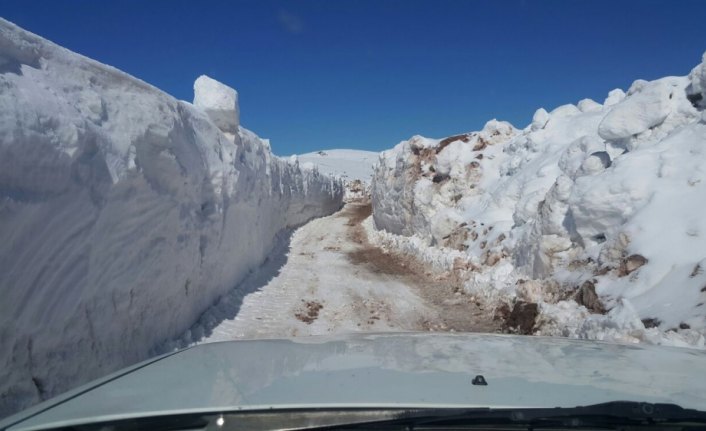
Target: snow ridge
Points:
(124, 213)
(591, 209)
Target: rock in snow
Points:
(569, 200)
(124, 213)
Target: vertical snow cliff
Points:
(124, 213)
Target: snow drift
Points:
(124, 213)
(591, 209)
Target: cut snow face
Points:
(591, 208)
(124, 213)
(219, 101)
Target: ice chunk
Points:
(614, 97)
(594, 164)
(647, 107)
(496, 131)
(567, 110)
(573, 157)
(589, 105)
(219, 101)
(539, 119)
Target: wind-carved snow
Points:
(593, 204)
(124, 213)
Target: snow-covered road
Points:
(326, 278)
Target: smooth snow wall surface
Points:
(124, 214)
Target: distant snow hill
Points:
(348, 164)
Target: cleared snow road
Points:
(329, 279)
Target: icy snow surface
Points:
(124, 213)
(609, 197)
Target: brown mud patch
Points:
(309, 312)
(456, 310)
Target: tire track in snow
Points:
(328, 279)
(455, 311)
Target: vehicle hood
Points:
(383, 370)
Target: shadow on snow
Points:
(228, 305)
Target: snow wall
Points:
(590, 201)
(124, 213)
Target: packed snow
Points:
(124, 213)
(219, 102)
(326, 278)
(592, 212)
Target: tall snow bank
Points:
(124, 213)
(590, 209)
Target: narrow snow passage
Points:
(326, 278)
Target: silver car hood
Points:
(385, 370)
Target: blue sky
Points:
(366, 74)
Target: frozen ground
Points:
(327, 278)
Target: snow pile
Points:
(592, 212)
(124, 213)
(354, 167)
